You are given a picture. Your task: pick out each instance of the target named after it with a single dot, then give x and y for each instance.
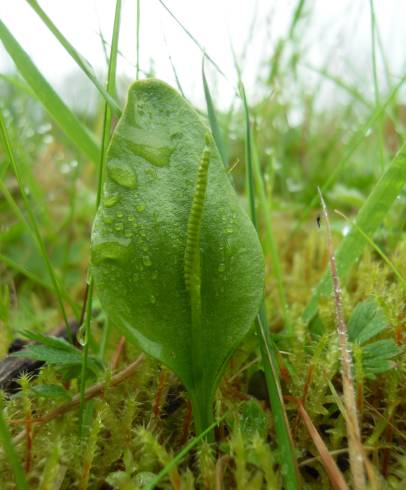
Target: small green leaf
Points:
(50, 341)
(49, 355)
(367, 320)
(50, 391)
(377, 357)
(176, 261)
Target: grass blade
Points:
(268, 349)
(59, 111)
(33, 223)
(80, 61)
(138, 39)
(369, 218)
(195, 41)
(378, 250)
(270, 237)
(354, 143)
(111, 87)
(214, 126)
(11, 454)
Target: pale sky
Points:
(337, 30)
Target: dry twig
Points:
(352, 422)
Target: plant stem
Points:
(111, 89)
(9, 449)
(352, 422)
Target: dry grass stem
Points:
(352, 422)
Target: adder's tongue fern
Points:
(177, 264)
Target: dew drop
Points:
(152, 145)
(222, 267)
(131, 218)
(152, 299)
(119, 214)
(81, 335)
(122, 173)
(128, 234)
(140, 207)
(119, 227)
(113, 249)
(147, 261)
(107, 219)
(110, 200)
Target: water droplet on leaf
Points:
(81, 335)
(122, 173)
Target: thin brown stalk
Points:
(352, 422)
(117, 354)
(220, 468)
(156, 408)
(332, 470)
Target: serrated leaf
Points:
(367, 320)
(49, 355)
(176, 261)
(50, 341)
(377, 356)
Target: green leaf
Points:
(50, 391)
(367, 320)
(377, 356)
(50, 341)
(177, 263)
(49, 355)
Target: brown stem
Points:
(335, 475)
(352, 422)
(117, 354)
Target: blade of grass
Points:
(11, 454)
(111, 87)
(270, 237)
(62, 115)
(137, 73)
(33, 223)
(385, 258)
(282, 43)
(37, 279)
(175, 72)
(182, 453)
(376, 83)
(268, 350)
(80, 61)
(339, 82)
(370, 216)
(195, 41)
(18, 83)
(353, 144)
(214, 126)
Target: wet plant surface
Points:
(136, 248)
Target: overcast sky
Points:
(339, 30)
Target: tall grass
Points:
(111, 90)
